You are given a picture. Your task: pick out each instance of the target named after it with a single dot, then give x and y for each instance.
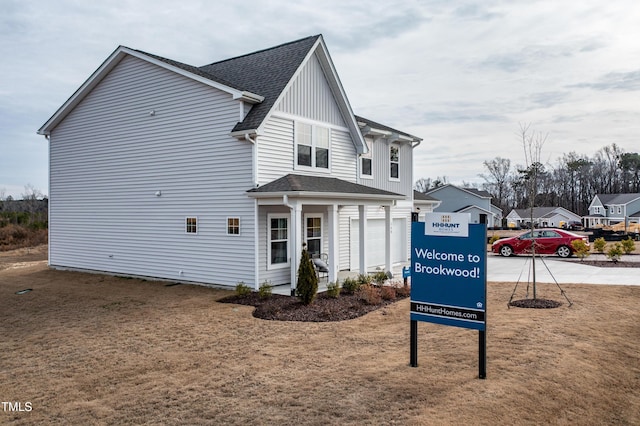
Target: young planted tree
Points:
(307, 286)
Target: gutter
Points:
(254, 155)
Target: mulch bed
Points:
(536, 303)
(323, 309)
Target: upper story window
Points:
(365, 161)
(394, 162)
(312, 145)
(619, 209)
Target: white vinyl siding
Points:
(381, 169)
(110, 157)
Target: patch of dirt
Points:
(323, 308)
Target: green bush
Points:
(307, 286)
(364, 279)
(599, 244)
(581, 248)
(333, 290)
(264, 291)
(615, 252)
(628, 246)
(242, 289)
(379, 277)
(350, 285)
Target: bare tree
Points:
(497, 179)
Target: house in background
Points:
(218, 174)
(543, 217)
(423, 203)
(467, 200)
(609, 209)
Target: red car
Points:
(547, 241)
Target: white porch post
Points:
(362, 216)
(296, 242)
(332, 217)
(387, 238)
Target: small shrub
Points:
(370, 294)
(364, 279)
(404, 291)
(307, 287)
(350, 285)
(628, 246)
(581, 248)
(387, 293)
(493, 239)
(615, 252)
(333, 290)
(264, 291)
(242, 289)
(379, 277)
(599, 244)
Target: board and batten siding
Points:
(380, 167)
(310, 96)
(109, 158)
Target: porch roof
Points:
(301, 185)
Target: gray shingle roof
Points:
(265, 72)
(376, 125)
(302, 183)
(421, 196)
(617, 198)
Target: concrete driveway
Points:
(564, 271)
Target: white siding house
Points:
(219, 174)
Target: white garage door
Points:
(375, 242)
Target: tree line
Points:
(31, 210)
(571, 182)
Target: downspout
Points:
(254, 155)
(256, 218)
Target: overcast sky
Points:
(462, 75)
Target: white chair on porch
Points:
(320, 263)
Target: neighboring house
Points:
(423, 203)
(609, 209)
(467, 200)
(543, 217)
(218, 174)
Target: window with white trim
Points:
(233, 226)
(313, 145)
(366, 161)
(619, 209)
(191, 225)
(394, 162)
(596, 210)
(278, 247)
(313, 234)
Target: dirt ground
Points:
(93, 349)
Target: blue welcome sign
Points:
(448, 271)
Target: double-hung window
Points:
(394, 162)
(233, 226)
(314, 235)
(313, 145)
(278, 241)
(191, 225)
(365, 161)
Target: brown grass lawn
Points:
(94, 349)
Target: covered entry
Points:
(375, 242)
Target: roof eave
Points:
(336, 195)
(110, 63)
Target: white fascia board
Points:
(325, 196)
(111, 62)
(239, 134)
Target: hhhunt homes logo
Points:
(447, 224)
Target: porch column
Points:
(362, 222)
(387, 238)
(332, 217)
(296, 242)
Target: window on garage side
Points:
(365, 161)
(394, 162)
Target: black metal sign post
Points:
(448, 279)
